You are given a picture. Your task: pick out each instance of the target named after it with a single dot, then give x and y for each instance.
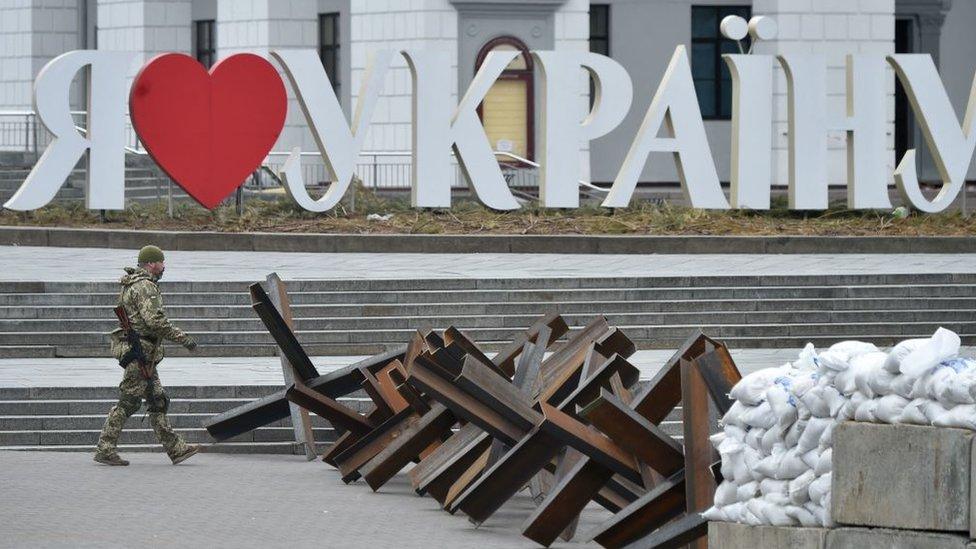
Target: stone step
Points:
(888, 327)
(530, 295)
(476, 321)
(374, 347)
(499, 307)
(396, 285)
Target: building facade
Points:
(639, 34)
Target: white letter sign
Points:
(562, 134)
(105, 139)
(435, 132)
(952, 146)
(338, 145)
(676, 104)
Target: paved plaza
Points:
(236, 371)
(100, 264)
(238, 501)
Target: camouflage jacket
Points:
(142, 301)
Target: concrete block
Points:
(902, 476)
(877, 538)
(729, 535)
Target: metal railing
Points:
(22, 131)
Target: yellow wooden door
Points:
(505, 116)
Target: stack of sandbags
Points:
(775, 446)
(776, 439)
(920, 382)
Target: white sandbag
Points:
(852, 348)
(802, 516)
(794, 432)
(814, 401)
(902, 385)
(834, 360)
(782, 403)
(747, 491)
(751, 389)
(734, 415)
(807, 360)
(890, 408)
(810, 437)
(962, 416)
(865, 412)
(804, 383)
(741, 472)
(734, 432)
(752, 459)
(811, 458)
(775, 514)
(868, 369)
(914, 414)
(820, 488)
(717, 439)
(777, 499)
(768, 466)
(760, 416)
(845, 382)
(771, 486)
(825, 463)
(827, 438)
(835, 401)
(716, 514)
(750, 518)
(791, 465)
(734, 512)
(934, 411)
(943, 345)
(754, 438)
(771, 438)
(798, 488)
(899, 352)
(726, 494)
(818, 512)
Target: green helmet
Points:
(150, 254)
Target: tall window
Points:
(599, 36)
(600, 29)
(329, 46)
(712, 79)
(205, 44)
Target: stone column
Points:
(32, 32)
(147, 27)
(834, 28)
(260, 26)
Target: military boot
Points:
(111, 459)
(190, 451)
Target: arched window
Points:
(507, 111)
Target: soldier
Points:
(142, 302)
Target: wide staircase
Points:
(359, 317)
(365, 316)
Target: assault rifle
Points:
(135, 345)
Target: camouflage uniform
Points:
(143, 303)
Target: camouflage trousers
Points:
(131, 392)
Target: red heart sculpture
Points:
(208, 131)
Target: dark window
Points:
(329, 46)
(599, 36)
(205, 45)
(600, 29)
(712, 79)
